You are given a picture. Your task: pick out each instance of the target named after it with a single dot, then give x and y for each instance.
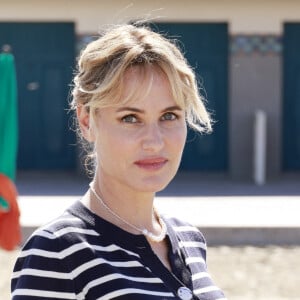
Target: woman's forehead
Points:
(143, 73)
(139, 80)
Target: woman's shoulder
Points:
(65, 229)
(185, 230)
(175, 221)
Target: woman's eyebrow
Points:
(128, 108)
(137, 110)
(172, 108)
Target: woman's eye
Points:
(169, 116)
(129, 119)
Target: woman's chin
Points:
(154, 186)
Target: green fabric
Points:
(4, 206)
(8, 116)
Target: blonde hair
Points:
(103, 63)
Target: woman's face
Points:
(139, 144)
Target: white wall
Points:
(255, 16)
(255, 84)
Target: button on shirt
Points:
(184, 293)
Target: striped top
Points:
(82, 256)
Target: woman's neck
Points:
(133, 207)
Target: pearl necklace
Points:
(145, 232)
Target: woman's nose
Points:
(152, 139)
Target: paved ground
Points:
(235, 216)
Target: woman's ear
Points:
(84, 121)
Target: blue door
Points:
(44, 55)
(291, 97)
(206, 47)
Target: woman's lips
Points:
(151, 163)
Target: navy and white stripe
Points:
(81, 256)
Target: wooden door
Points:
(44, 55)
(291, 97)
(206, 47)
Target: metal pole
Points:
(260, 142)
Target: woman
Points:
(133, 95)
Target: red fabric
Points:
(10, 231)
